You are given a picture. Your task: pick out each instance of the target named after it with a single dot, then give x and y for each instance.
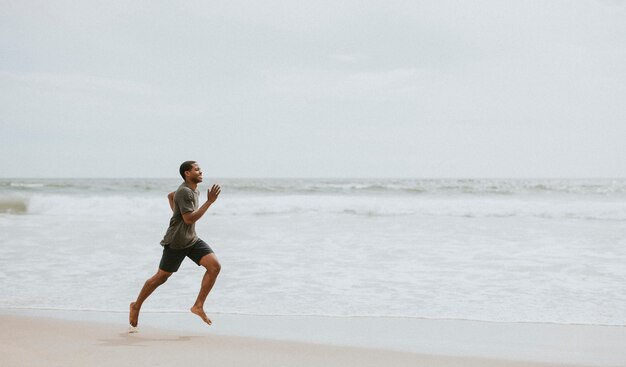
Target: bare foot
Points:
(133, 315)
(200, 312)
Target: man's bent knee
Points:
(211, 264)
(217, 267)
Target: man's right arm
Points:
(170, 198)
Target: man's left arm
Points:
(192, 217)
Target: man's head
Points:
(190, 171)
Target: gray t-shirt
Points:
(180, 235)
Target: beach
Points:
(72, 338)
(401, 183)
(320, 272)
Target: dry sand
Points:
(38, 341)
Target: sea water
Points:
(492, 249)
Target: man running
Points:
(181, 241)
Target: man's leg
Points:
(151, 284)
(213, 267)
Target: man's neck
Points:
(191, 185)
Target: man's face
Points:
(195, 174)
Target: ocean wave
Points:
(26, 185)
(88, 186)
(496, 187)
(377, 187)
(302, 206)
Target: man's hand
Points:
(213, 193)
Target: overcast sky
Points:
(313, 89)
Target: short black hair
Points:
(186, 166)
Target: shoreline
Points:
(70, 311)
(397, 341)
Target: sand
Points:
(27, 340)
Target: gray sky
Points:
(313, 89)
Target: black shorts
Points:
(171, 259)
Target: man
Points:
(181, 241)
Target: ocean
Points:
(503, 250)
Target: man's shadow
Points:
(136, 340)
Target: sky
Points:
(459, 89)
